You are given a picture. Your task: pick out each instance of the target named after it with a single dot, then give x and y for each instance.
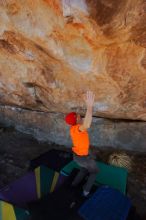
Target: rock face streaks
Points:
(52, 51)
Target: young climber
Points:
(80, 139)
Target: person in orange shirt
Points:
(80, 139)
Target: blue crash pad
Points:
(106, 204)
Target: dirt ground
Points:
(17, 149)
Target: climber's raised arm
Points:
(89, 100)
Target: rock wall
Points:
(52, 51)
(50, 127)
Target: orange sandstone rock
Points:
(52, 51)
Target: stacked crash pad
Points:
(31, 187)
(63, 203)
(106, 204)
(45, 180)
(115, 177)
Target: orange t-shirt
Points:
(80, 140)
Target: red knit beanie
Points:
(71, 118)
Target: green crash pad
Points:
(112, 176)
(46, 180)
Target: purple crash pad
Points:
(21, 191)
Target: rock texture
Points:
(52, 51)
(48, 127)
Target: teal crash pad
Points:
(112, 176)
